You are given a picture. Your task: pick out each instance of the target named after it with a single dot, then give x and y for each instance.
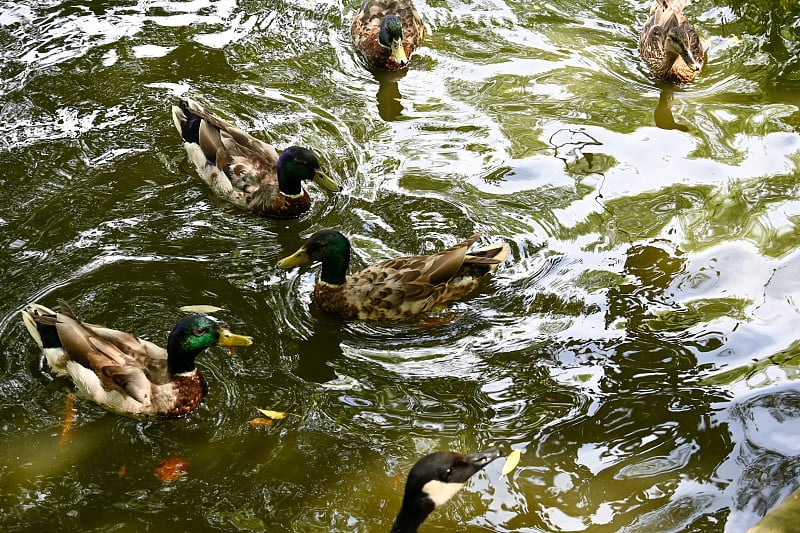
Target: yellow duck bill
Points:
(226, 338)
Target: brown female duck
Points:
(669, 44)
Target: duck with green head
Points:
(386, 32)
(244, 170)
(123, 373)
(394, 289)
(669, 45)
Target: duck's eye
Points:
(447, 473)
(199, 332)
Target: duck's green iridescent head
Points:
(391, 36)
(193, 334)
(297, 164)
(328, 247)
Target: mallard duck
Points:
(124, 373)
(245, 171)
(386, 32)
(433, 480)
(669, 44)
(397, 288)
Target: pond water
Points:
(640, 344)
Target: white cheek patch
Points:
(441, 492)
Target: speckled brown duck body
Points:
(244, 170)
(369, 29)
(123, 373)
(669, 45)
(394, 289)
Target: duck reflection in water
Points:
(315, 353)
(663, 112)
(324, 346)
(389, 98)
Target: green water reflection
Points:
(639, 345)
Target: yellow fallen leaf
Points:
(511, 462)
(275, 415)
(201, 309)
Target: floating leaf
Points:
(511, 462)
(260, 422)
(123, 469)
(201, 309)
(171, 469)
(275, 415)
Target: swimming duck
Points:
(386, 32)
(123, 373)
(397, 288)
(669, 44)
(245, 171)
(433, 480)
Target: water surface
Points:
(639, 345)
